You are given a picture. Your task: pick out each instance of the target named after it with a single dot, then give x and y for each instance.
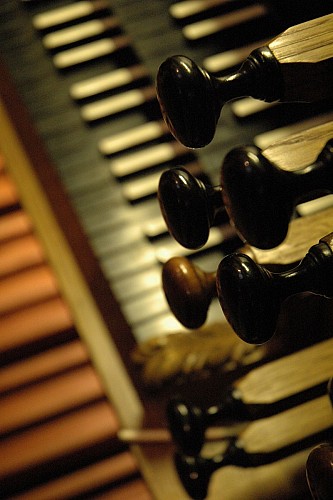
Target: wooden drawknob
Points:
(319, 471)
(251, 296)
(189, 422)
(188, 206)
(191, 99)
(188, 290)
(260, 197)
(195, 471)
(319, 466)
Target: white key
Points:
(140, 160)
(89, 51)
(182, 10)
(212, 26)
(133, 137)
(154, 227)
(229, 58)
(65, 14)
(167, 324)
(106, 81)
(74, 34)
(140, 188)
(243, 108)
(131, 260)
(116, 104)
(313, 206)
(145, 307)
(157, 327)
(138, 283)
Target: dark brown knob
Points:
(260, 197)
(251, 296)
(330, 390)
(319, 466)
(188, 290)
(319, 472)
(188, 422)
(191, 99)
(188, 206)
(195, 471)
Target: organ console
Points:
(191, 102)
(191, 99)
(83, 244)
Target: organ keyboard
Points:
(89, 90)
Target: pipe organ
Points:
(166, 249)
